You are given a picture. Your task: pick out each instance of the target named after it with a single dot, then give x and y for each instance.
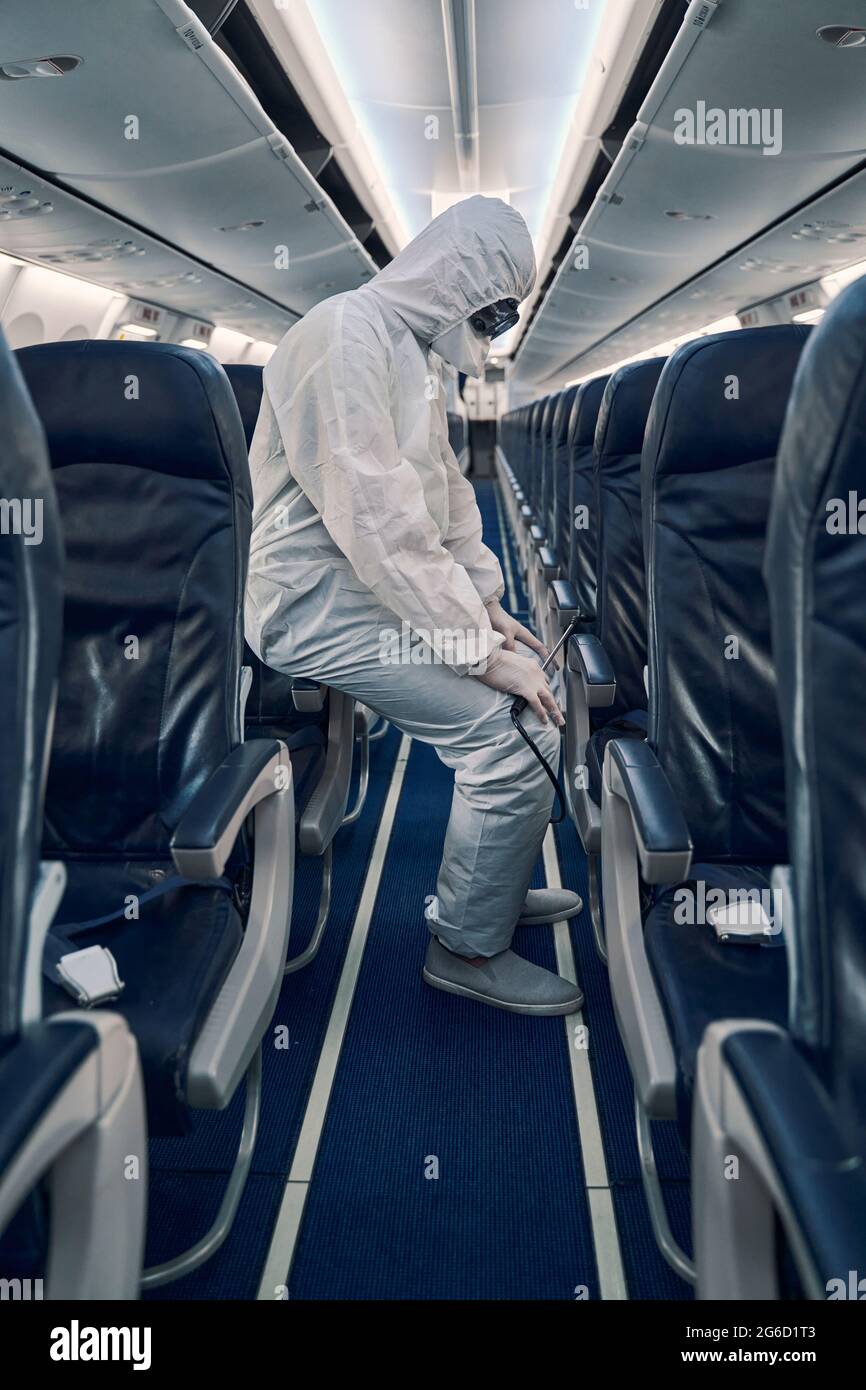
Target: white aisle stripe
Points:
(288, 1224)
(608, 1256)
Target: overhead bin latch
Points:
(636, 138)
(701, 12)
(281, 147)
(194, 34)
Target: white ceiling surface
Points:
(207, 156)
(390, 58)
(763, 55)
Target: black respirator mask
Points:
(466, 345)
(495, 319)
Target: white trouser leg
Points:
(502, 796)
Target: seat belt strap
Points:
(90, 974)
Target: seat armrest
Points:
(562, 598)
(819, 1169)
(641, 825)
(663, 842)
(527, 515)
(537, 535)
(590, 684)
(208, 829)
(233, 1029)
(308, 697)
(588, 658)
(73, 1114)
(757, 1096)
(548, 562)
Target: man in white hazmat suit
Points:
(363, 523)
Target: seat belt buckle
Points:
(90, 976)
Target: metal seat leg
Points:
(312, 949)
(203, 1249)
(675, 1256)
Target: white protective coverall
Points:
(365, 529)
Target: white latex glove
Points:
(512, 630)
(522, 677)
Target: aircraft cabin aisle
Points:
(432, 655)
(375, 1085)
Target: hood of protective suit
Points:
(469, 256)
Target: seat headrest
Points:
(815, 567)
(625, 407)
(155, 406)
(721, 400)
(247, 382)
(823, 442)
(584, 412)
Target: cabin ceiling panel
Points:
(630, 253)
(158, 126)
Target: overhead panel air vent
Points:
(842, 36)
(57, 66)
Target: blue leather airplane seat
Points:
(707, 475)
(150, 467)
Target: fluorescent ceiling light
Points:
(440, 202)
(618, 42)
(136, 330)
(456, 64)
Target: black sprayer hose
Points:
(516, 710)
(520, 705)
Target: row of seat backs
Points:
(539, 444)
(549, 445)
(583, 539)
(558, 516)
(754, 441)
(593, 458)
(667, 458)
